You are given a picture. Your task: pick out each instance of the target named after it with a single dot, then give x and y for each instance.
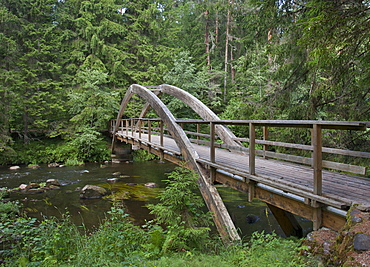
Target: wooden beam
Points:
(317, 159)
(287, 221)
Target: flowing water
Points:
(130, 179)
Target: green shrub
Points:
(143, 155)
(180, 209)
(8, 209)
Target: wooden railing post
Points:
(132, 127)
(252, 149)
(161, 132)
(198, 131)
(149, 131)
(212, 154)
(266, 138)
(317, 159)
(127, 126)
(140, 125)
(317, 175)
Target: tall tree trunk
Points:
(216, 29)
(226, 53)
(231, 26)
(206, 39)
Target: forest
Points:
(65, 65)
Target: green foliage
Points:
(271, 250)
(117, 242)
(92, 103)
(8, 210)
(143, 155)
(179, 205)
(42, 243)
(73, 162)
(57, 150)
(198, 83)
(114, 243)
(180, 209)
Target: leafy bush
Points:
(180, 210)
(7, 209)
(143, 155)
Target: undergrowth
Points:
(178, 237)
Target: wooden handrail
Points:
(259, 123)
(339, 125)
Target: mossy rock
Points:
(122, 191)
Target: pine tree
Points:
(34, 70)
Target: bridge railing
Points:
(316, 148)
(207, 136)
(135, 127)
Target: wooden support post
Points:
(212, 151)
(252, 149)
(132, 127)
(149, 131)
(251, 190)
(317, 159)
(161, 132)
(287, 221)
(127, 126)
(198, 131)
(212, 134)
(317, 175)
(265, 137)
(317, 217)
(140, 125)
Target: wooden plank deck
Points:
(345, 188)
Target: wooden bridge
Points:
(296, 182)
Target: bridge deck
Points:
(344, 188)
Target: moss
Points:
(123, 191)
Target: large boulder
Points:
(92, 191)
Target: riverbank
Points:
(118, 242)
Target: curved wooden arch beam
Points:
(122, 108)
(202, 110)
(210, 194)
(182, 141)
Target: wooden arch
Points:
(201, 109)
(210, 194)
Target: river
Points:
(89, 213)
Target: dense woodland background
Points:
(65, 65)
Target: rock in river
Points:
(92, 191)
